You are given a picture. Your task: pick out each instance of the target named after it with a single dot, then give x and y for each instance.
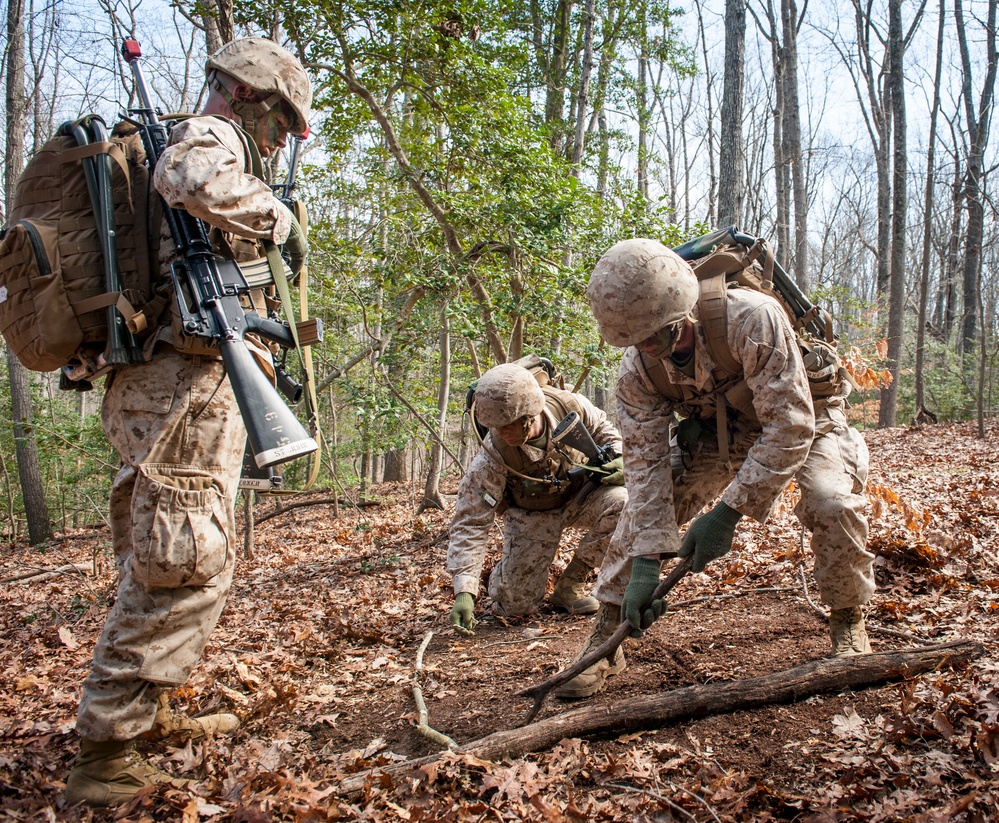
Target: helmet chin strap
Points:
(248, 113)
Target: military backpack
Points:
(727, 259)
(53, 290)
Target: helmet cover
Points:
(506, 393)
(268, 68)
(639, 287)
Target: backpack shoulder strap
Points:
(655, 377)
(713, 311)
(560, 402)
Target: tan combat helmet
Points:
(506, 393)
(639, 287)
(266, 67)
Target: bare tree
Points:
(978, 135)
(789, 171)
(730, 162)
(924, 268)
(28, 467)
(709, 216)
(896, 301)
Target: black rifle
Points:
(208, 290)
(815, 320)
(572, 433)
(254, 478)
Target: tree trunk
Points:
(924, 271)
(782, 184)
(730, 177)
(978, 135)
(431, 491)
(28, 467)
(396, 461)
(949, 288)
(225, 21)
(553, 67)
(643, 108)
(396, 466)
(712, 182)
(896, 304)
(583, 97)
(791, 137)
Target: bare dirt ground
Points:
(317, 650)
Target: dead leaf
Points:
(66, 636)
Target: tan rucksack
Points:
(720, 263)
(53, 298)
(726, 259)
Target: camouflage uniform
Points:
(175, 424)
(774, 436)
(518, 582)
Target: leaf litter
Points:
(316, 652)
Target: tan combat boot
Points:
(849, 635)
(107, 773)
(177, 729)
(592, 680)
(570, 592)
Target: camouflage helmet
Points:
(639, 287)
(506, 393)
(266, 67)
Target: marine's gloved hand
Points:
(635, 608)
(710, 536)
(296, 247)
(614, 472)
(463, 614)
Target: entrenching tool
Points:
(607, 649)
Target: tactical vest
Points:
(737, 267)
(548, 487)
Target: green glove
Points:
(636, 608)
(710, 536)
(614, 472)
(296, 247)
(463, 614)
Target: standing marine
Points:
(175, 424)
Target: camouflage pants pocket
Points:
(179, 534)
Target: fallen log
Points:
(36, 575)
(658, 710)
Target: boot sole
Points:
(568, 609)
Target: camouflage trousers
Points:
(175, 424)
(519, 581)
(833, 506)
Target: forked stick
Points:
(606, 649)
